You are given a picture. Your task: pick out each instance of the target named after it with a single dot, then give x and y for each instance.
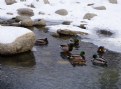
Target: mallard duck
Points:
(75, 42)
(77, 59)
(67, 48)
(101, 50)
(82, 54)
(41, 41)
(98, 61)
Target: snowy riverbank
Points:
(106, 18)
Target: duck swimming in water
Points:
(101, 50)
(75, 42)
(98, 61)
(41, 41)
(77, 59)
(67, 48)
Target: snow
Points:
(108, 19)
(9, 34)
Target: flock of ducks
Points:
(78, 59)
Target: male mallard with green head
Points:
(82, 54)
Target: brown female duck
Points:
(101, 50)
(67, 48)
(41, 41)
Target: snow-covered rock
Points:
(25, 12)
(25, 20)
(15, 40)
(9, 2)
(100, 8)
(62, 12)
(89, 16)
(40, 22)
(46, 2)
(113, 1)
(27, 23)
(21, 18)
(83, 26)
(68, 32)
(66, 22)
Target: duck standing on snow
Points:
(41, 41)
(101, 50)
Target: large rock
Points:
(9, 2)
(100, 8)
(46, 2)
(7, 22)
(27, 23)
(25, 20)
(21, 18)
(113, 1)
(83, 26)
(68, 32)
(40, 22)
(66, 22)
(22, 43)
(89, 16)
(62, 12)
(25, 12)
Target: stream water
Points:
(46, 69)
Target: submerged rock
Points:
(66, 22)
(21, 43)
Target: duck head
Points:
(46, 40)
(94, 56)
(82, 53)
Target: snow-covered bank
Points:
(107, 16)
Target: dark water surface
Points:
(46, 69)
